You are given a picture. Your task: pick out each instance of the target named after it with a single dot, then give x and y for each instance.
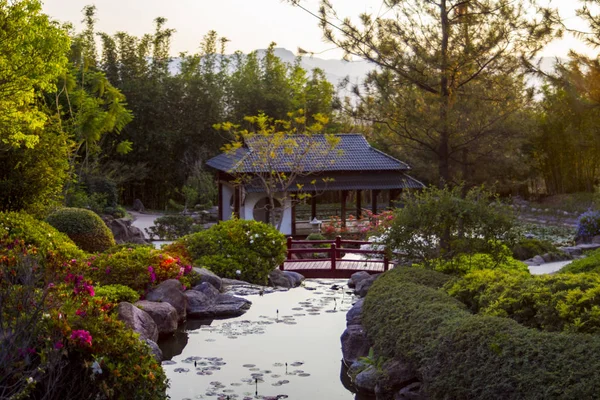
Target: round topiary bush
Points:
(238, 249)
(54, 247)
(84, 227)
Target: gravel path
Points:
(143, 221)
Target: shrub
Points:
(102, 186)
(137, 267)
(555, 303)
(250, 247)
(115, 212)
(53, 247)
(525, 249)
(458, 355)
(171, 227)
(438, 223)
(117, 293)
(84, 227)
(588, 224)
(58, 337)
(590, 263)
(464, 263)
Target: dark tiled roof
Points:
(355, 181)
(353, 153)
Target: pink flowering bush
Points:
(53, 320)
(139, 268)
(357, 228)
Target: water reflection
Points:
(286, 346)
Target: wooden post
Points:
(386, 263)
(374, 201)
(333, 258)
(293, 217)
(343, 216)
(289, 247)
(358, 204)
(313, 206)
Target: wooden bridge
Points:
(332, 263)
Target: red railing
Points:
(335, 250)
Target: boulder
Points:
(138, 320)
(355, 343)
(223, 305)
(124, 232)
(234, 282)
(208, 290)
(208, 276)
(538, 260)
(295, 278)
(164, 315)
(278, 278)
(362, 287)
(138, 206)
(357, 277)
(573, 251)
(156, 352)
(170, 291)
(353, 317)
(412, 391)
(366, 380)
(396, 375)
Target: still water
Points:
(286, 346)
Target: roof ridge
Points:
(408, 167)
(416, 180)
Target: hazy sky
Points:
(249, 24)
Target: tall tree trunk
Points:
(444, 147)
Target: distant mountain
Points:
(335, 70)
(356, 71)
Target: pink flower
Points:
(80, 312)
(107, 270)
(152, 274)
(82, 337)
(58, 345)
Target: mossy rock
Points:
(525, 249)
(84, 227)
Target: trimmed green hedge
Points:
(465, 263)
(554, 303)
(84, 227)
(463, 356)
(590, 263)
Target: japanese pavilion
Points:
(353, 168)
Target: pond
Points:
(286, 346)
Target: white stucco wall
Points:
(251, 199)
(227, 197)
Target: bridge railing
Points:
(334, 251)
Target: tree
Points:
(279, 153)
(33, 52)
(450, 72)
(566, 143)
(33, 148)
